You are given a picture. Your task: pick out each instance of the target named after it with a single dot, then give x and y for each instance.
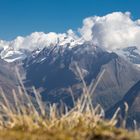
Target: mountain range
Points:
(50, 67)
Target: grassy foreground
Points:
(77, 133)
(84, 122)
(25, 120)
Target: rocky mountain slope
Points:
(132, 98)
(8, 79)
(52, 72)
(49, 64)
(131, 54)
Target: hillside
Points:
(132, 98)
(8, 78)
(52, 72)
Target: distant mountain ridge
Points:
(21, 47)
(131, 54)
(52, 72)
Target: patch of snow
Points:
(15, 49)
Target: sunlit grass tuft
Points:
(25, 120)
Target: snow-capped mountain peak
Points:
(21, 47)
(131, 53)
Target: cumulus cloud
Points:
(17, 48)
(112, 31)
(38, 40)
(35, 40)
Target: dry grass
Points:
(80, 123)
(25, 121)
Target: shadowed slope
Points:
(132, 98)
(52, 72)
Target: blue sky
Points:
(21, 17)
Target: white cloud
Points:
(35, 40)
(112, 31)
(86, 30)
(39, 40)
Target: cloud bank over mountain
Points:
(112, 31)
(38, 40)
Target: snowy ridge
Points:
(114, 32)
(131, 53)
(21, 47)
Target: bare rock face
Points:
(132, 98)
(8, 79)
(53, 71)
